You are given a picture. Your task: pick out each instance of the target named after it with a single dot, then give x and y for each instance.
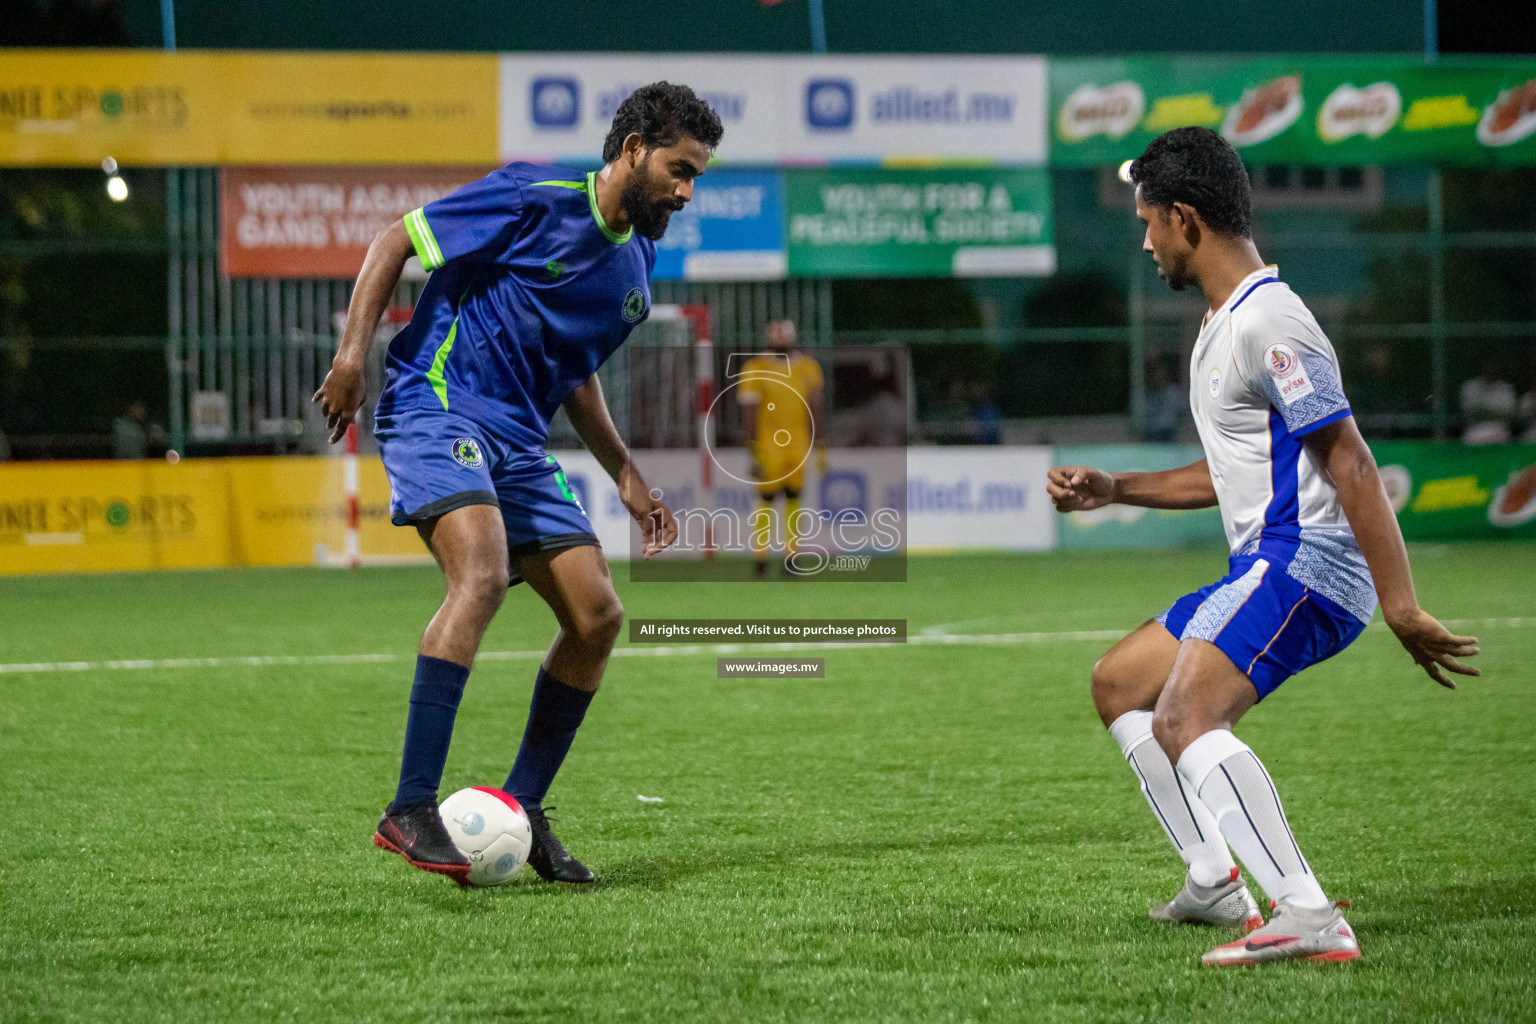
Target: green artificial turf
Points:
(930, 833)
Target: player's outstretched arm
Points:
(589, 414)
(1080, 488)
(342, 392)
(1348, 459)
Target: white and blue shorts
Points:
(1270, 625)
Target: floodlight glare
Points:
(117, 188)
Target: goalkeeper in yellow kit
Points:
(781, 395)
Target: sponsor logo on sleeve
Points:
(829, 104)
(555, 102)
(1283, 365)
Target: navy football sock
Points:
(553, 717)
(428, 728)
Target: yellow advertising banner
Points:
(293, 511)
(202, 107)
(63, 517)
(75, 107)
(112, 516)
(359, 108)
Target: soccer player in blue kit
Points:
(538, 275)
(1314, 546)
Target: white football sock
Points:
(1232, 782)
(1186, 821)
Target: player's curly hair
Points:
(1196, 166)
(663, 114)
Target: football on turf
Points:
(491, 829)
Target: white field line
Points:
(644, 650)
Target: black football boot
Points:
(549, 858)
(416, 833)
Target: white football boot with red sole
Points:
(1322, 936)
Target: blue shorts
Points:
(1271, 626)
(438, 461)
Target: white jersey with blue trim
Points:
(1263, 376)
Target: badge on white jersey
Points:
(1215, 381)
(1283, 365)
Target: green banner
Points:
(1452, 492)
(1126, 526)
(1299, 110)
(870, 222)
(1440, 492)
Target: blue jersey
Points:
(530, 293)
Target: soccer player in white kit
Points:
(1314, 546)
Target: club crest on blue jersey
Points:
(466, 452)
(634, 306)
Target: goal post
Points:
(365, 543)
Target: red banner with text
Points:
(318, 221)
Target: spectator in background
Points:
(986, 415)
(1489, 406)
(880, 420)
(946, 420)
(133, 435)
(1167, 403)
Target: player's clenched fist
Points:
(1079, 488)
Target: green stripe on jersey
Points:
(421, 238)
(438, 375)
(589, 186)
(597, 215)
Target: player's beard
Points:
(650, 214)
